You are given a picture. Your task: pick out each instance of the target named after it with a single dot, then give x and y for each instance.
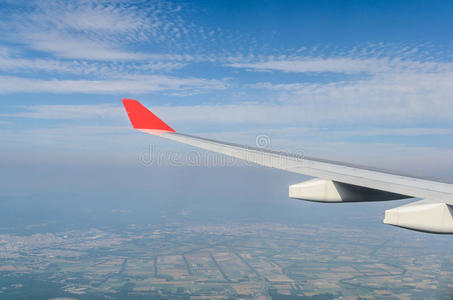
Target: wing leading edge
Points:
(338, 182)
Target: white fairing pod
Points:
(315, 190)
(321, 190)
(422, 216)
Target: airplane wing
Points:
(335, 181)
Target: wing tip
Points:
(126, 101)
(143, 119)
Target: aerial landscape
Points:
(154, 149)
(236, 261)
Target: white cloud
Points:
(103, 69)
(218, 114)
(342, 65)
(89, 15)
(396, 92)
(390, 97)
(316, 113)
(129, 84)
(67, 46)
(413, 131)
(70, 112)
(346, 65)
(18, 65)
(295, 116)
(400, 92)
(95, 30)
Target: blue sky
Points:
(364, 81)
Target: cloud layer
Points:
(95, 52)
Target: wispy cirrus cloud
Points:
(67, 46)
(97, 47)
(255, 115)
(102, 69)
(69, 112)
(315, 64)
(392, 95)
(214, 114)
(187, 115)
(383, 88)
(101, 16)
(346, 65)
(128, 84)
(392, 90)
(94, 30)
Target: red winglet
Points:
(142, 118)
